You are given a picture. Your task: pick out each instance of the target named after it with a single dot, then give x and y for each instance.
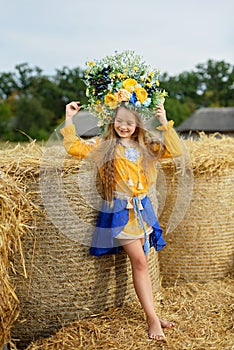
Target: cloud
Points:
(174, 36)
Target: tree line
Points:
(33, 104)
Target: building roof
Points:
(86, 124)
(209, 120)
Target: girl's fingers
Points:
(74, 105)
(159, 109)
(72, 108)
(160, 113)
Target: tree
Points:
(7, 85)
(183, 98)
(34, 102)
(209, 85)
(31, 118)
(216, 83)
(70, 81)
(177, 110)
(5, 118)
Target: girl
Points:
(126, 159)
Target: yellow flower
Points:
(98, 102)
(151, 74)
(157, 82)
(123, 95)
(91, 63)
(148, 84)
(129, 84)
(135, 69)
(121, 76)
(141, 94)
(112, 76)
(164, 93)
(111, 100)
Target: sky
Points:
(172, 35)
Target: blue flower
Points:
(147, 102)
(138, 104)
(133, 98)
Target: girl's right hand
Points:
(71, 109)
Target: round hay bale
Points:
(65, 282)
(15, 217)
(200, 248)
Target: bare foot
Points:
(167, 324)
(155, 330)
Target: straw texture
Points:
(15, 218)
(65, 283)
(203, 316)
(201, 246)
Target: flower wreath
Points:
(122, 77)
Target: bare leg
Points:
(143, 286)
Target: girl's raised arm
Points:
(73, 144)
(171, 139)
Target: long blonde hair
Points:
(104, 154)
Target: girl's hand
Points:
(71, 109)
(161, 114)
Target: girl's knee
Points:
(140, 263)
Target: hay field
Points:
(203, 312)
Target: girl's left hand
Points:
(161, 114)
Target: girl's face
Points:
(125, 123)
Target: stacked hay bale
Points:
(200, 248)
(15, 217)
(65, 283)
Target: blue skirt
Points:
(112, 220)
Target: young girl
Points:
(126, 159)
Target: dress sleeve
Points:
(171, 141)
(75, 145)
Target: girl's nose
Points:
(123, 125)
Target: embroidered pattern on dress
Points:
(131, 154)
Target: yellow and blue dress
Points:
(131, 215)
